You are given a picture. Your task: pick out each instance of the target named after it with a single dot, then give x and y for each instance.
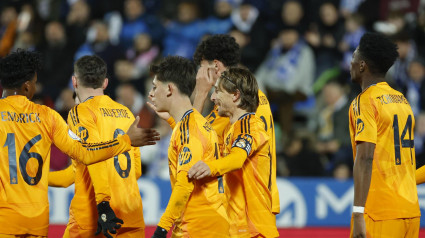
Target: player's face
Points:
(222, 99)
(158, 95)
(355, 66)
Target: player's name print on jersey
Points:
(118, 113)
(20, 117)
(390, 98)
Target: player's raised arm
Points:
(90, 153)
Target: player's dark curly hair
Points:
(378, 51)
(218, 47)
(91, 71)
(18, 67)
(178, 70)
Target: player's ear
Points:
(26, 87)
(170, 89)
(236, 95)
(105, 83)
(219, 67)
(362, 66)
(74, 81)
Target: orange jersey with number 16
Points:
(382, 116)
(27, 131)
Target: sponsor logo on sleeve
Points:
(359, 126)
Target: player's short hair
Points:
(218, 47)
(236, 78)
(18, 67)
(91, 71)
(178, 70)
(378, 51)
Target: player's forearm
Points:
(62, 178)
(234, 161)
(362, 174)
(99, 176)
(91, 153)
(199, 98)
(420, 175)
(178, 200)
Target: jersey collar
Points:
(246, 114)
(186, 113)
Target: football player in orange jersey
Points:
(109, 187)
(381, 130)
(246, 162)
(196, 208)
(27, 131)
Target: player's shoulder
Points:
(249, 123)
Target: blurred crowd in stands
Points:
(299, 50)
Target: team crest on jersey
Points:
(83, 133)
(185, 156)
(359, 126)
(244, 142)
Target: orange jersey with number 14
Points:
(382, 116)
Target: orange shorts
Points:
(203, 224)
(406, 227)
(20, 236)
(73, 230)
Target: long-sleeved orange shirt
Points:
(114, 180)
(27, 131)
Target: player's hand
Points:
(142, 136)
(359, 226)
(160, 233)
(199, 170)
(107, 221)
(163, 115)
(205, 79)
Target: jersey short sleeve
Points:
(364, 112)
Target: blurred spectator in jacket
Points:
(98, 43)
(407, 52)
(57, 60)
(137, 21)
(286, 75)
(354, 30)
(325, 37)
(247, 19)
(415, 87)
(220, 22)
(77, 23)
(184, 34)
(142, 54)
(333, 134)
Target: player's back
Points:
(193, 132)
(248, 194)
(383, 116)
(101, 118)
(265, 114)
(26, 130)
